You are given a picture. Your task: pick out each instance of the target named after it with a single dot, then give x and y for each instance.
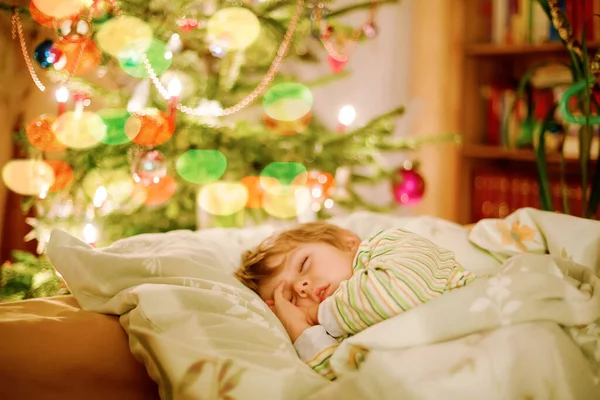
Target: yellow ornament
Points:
(124, 34)
(234, 27)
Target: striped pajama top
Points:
(393, 272)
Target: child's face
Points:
(312, 272)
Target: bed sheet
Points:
(528, 330)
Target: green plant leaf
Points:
(540, 159)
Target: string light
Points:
(90, 233)
(174, 87)
(347, 115)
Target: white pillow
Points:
(189, 320)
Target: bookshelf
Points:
(499, 168)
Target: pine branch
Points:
(359, 6)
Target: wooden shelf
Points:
(480, 151)
(490, 49)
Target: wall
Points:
(435, 82)
(20, 101)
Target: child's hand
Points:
(294, 319)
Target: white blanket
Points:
(202, 335)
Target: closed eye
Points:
(303, 265)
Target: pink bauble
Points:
(411, 188)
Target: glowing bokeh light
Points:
(80, 130)
(235, 26)
(287, 201)
(160, 192)
(131, 58)
(115, 120)
(28, 177)
(255, 191)
(118, 34)
(289, 101)
(59, 8)
(118, 183)
(223, 198)
(282, 174)
(201, 166)
(40, 133)
(63, 175)
(77, 59)
(288, 127)
(148, 128)
(44, 20)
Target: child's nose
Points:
(303, 287)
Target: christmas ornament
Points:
(187, 24)
(119, 34)
(149, 167)
(255, 191)
(59, 8)
(159, 193)
(131, 59)
(288, 101)
(201, 166)
(63, 175)
(409, 186)
(46, 54)
(44, 20)
(223, 198)
(148, 128)
(369, 29)
(236, 26)
(80, 130)
(28, 177)
(40, 133)
(218, 49)
(78, 58)
(73, 29)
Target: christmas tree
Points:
(172, 108)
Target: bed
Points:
(164, 308)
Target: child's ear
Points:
(351, 241)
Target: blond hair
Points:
(257, 265)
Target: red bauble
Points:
(337, 66)
(410, 188)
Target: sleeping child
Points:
(324, 285)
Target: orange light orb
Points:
(255, 191)
(63, 175)
(150, 128)
(159, 193)
(286, 128)
(40, 133)
(89, 60)
(44, 20)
